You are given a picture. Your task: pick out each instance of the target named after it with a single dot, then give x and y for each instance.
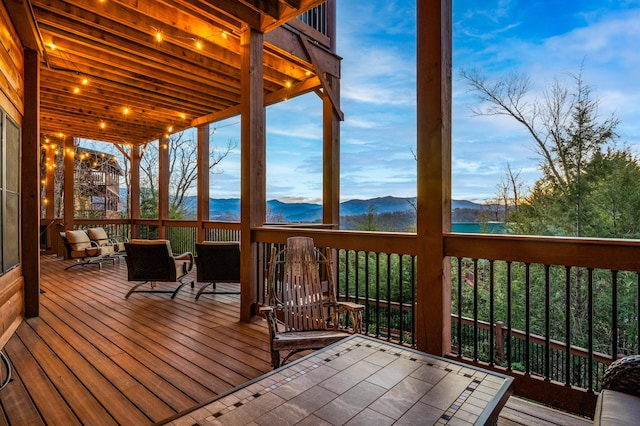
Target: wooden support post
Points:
(30, 184)
(253, 156)
(203, 179)
(163, 185)
(134, 190)
(331, 135)
(69, 184)
(433, 319)
(331, 157)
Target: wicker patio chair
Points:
(304, 312)
(217, 262)
(152, 261)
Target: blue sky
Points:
(544, 39)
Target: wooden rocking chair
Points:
(304, 313)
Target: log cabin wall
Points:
(11, 113)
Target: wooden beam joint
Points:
(328, 90)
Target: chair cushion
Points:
(616, 408)
(78, 240)
(98, 235)
(149, 242)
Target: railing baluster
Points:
(389, 327)
(527, 319)
(590, 331)
(567, 333)
(377, 269)
(413, 300)
(366, 288)
(475, 310)
(491, 315)
(401, 296)
(460, 307)
(356, 273)
(509, 324)
(547, 322)
(614, 315)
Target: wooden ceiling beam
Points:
(73, 51)
(24, 24)
(114, 106)
(238, 10)
(301, 88)
(118, 81)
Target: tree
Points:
(588, 188)
(568, 135)
(183, 173)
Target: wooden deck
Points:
(93, 357)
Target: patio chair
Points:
(100, 237)
(152, 261)
(619, 399)
(304, 313)
(217, 262)
(83, 250)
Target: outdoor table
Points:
(361, 380)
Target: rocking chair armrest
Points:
(354, 312)
(269, 313)
(350, 306)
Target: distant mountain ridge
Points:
(229, 208)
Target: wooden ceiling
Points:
(130, 71)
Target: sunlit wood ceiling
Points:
(129, 71)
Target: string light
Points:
(125, 111)
(103, 125)
(198, 45)
(158, 36)
(76, 90)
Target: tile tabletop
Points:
(359, 381)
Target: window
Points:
(9, 193)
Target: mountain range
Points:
(228, 209)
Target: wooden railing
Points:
(527, 283)
(317, 18)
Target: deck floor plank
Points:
(17, 405)
(50, 383)
(94, 357)
(87, 356)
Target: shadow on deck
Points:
(94, 357)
